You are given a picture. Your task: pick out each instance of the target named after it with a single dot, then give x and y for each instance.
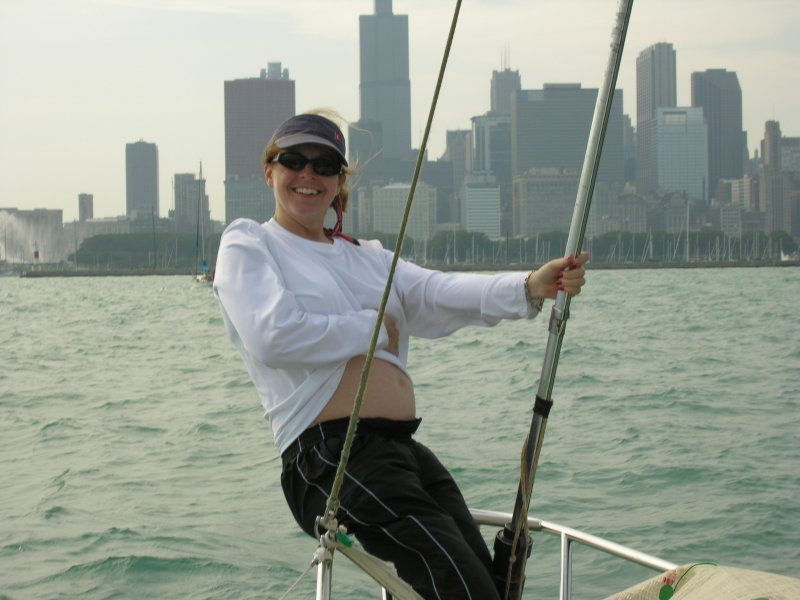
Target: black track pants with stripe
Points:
(402, 505)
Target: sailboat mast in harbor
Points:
(204, 275)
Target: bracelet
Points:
(535, 303)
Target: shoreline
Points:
(41, 273)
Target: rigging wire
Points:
(298, 580)
(332, 505)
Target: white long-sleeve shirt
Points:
(298, 310)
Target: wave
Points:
(147, 565)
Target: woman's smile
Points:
(306, 191)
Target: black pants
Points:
(398, 500)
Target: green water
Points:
(135, 462)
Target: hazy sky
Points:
(81, 78)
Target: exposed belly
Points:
(389, 393)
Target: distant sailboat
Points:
(204, 275)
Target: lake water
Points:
(135, 461)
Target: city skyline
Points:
(82, 81)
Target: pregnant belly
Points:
(389, 393)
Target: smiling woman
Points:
(300, 303)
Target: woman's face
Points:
(302, 198)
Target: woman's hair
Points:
(272, 150)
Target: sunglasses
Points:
(324, 166)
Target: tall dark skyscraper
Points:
(549, 133)
(504, 84)
(385, 88)
(550, 129)
(141, 179)
(254, 108)
(718, 92)
(655, 88)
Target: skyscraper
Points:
(141, 180)
(504, 84)
(491, 145)
(254, 108)
(629, 149)
(85, 207)
(655, 88)
(191, 204)
(480, 202)
(491, 153)
(543, 200)
(775, 184)
(458, 152)
(385, 88)
(549, 134)
(550, 129)
(682, 151)
(717, 91)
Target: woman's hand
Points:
(394, 335)
(564, 274)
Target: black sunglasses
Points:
(324, 166)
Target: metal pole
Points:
(324, 579)
(512, 544)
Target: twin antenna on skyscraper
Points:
(505, 59)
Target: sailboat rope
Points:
(298, 580)
(328, 520)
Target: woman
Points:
(300, 301)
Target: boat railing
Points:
(569, 537)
